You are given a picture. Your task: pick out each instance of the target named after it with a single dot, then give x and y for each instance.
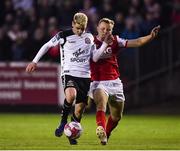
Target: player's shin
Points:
(75, 118)
(111, 124)
(101, 119)
(101, 127)
(65, 112)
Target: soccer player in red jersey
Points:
(105, 78)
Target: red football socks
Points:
(110, 126)
(101, 119)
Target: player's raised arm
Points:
(143, 40)
(51, 43)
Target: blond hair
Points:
(81, 19)
(107, 20)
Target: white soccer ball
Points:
(73, 130)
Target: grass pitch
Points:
(36, 131)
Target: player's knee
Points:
(101, 107)
(70, 98)
(70, 95)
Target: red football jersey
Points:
(107, 68)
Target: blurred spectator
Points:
(91, 12)
(107, 9)
(22, 4)
(21, 18)
(18, 36)
(88, 8)
(130, 32)
(46, 17)
(32, 20)
(135, 14)
(65, 13)
(137, 4)
(148, 23)
(54, 52)
(44, 9)
(35, 43)
(119, 23)
(7, 12)
(8, 7)
(5, 46)
(148, 4)
(9, 21)
(131, 29)
(176, 12)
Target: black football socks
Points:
(65, 111)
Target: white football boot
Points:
(101, 134)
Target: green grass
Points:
(36, 131)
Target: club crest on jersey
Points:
(87, 41)
(70, 83)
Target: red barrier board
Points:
(18, 87)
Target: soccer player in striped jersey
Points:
(77, 47)
(105, 77)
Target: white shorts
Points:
(111, 88)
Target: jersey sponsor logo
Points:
(87, 40)
(80, 52)
(77, 54)
(78, 60)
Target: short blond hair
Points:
(81, 19)
(106, 20)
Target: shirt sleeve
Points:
(57, 39)
(122, 42)
(51, 43)
(97, 53)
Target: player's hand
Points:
(155, 31)
(31, 67)
(108, 38)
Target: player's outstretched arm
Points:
(143, 40)
(32, 66)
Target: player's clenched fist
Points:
(108, 38)
(31, 67)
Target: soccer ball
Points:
(73, 130)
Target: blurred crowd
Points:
(25, 25)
